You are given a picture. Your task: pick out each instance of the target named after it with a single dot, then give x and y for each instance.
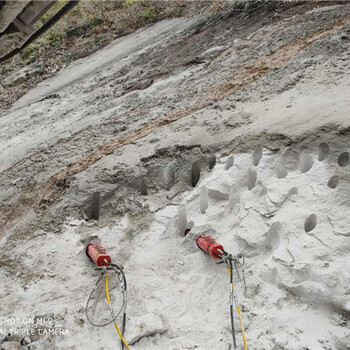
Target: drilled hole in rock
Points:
(211, 161)
(143, 187)
(217, 194)
(229, 162)
(169, 178)
(343, 159)
(251, 179)
(203, 200)
(333, 182)
(323, 151)
(305, 162)
(310, 223)
(95, 206)
(290, 159)
(120, 205)
(282, 171)
(293, 193)
(195, 174)
(181, 221)
(190, 225)
(272, 239)
(257, 154)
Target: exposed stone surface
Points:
(130, 121)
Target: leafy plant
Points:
(149, 14)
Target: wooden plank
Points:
(23, 27)
(35, 10)
(9, 11)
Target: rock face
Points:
(11, 345)
(268, 89)
(22, 75)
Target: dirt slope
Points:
(143, 110)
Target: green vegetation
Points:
(88, 27)
(149, 14)
(101, 22)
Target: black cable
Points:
(122, 273)
(92, 292)
(123, 327)
(241, 264)
(231, 307)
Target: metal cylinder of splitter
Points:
(97, 253)
(208, 245)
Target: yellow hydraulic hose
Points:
(238, 311)
(115, 323)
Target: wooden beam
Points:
(35, 10)
(23, 27)
(9, 11)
